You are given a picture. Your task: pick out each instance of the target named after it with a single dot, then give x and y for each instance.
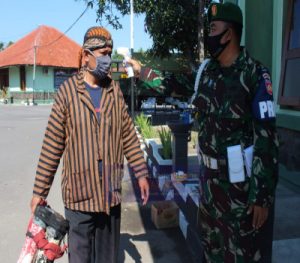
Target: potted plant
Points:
(161, 154)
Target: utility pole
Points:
(34, 69)
(131, 51)
(201, 4)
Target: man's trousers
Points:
(93, 237)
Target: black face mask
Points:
(214, 46)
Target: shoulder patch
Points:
(267, 78)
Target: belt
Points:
(213, 163)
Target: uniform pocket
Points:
(79, 187)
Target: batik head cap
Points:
(227, 12)
(97, 37)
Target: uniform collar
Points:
(242, 59)
(239, 63)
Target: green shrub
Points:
(166, 141)
(145, 127)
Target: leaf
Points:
(173, 25)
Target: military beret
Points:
(227, 12)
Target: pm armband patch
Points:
(266, 109)
(262, 104)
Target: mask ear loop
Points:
(89, 51)
(224, 33)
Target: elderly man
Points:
(89, 125)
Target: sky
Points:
(20, 17)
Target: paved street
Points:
(21, 133)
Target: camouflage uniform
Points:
(235, 106)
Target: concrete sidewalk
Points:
(286, 244)
(140, 240)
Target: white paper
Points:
(129, 69)
(248, 155)
(235, 164)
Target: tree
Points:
(173, 25)
(116, 56)
(9, 44)
(3, 46)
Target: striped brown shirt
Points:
(74, 131)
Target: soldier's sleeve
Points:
(155, 79)
(265, 155)
(150, 76)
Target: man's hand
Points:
(144, 187)
(34, 202)
(260, 215)
(136, 65)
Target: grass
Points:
(164, 134)
(166, 142)
(145, 127)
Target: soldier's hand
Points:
(144, 187)
(34, 202)
(136, 65)
(260, 215)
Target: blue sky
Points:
(20, 17)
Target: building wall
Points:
(259, 30)
(264, 34)
(43, 81)
(14, 78)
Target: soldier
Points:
(236, 119)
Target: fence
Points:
(27, 97)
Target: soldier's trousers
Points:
(226, 229)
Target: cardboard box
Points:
(165, 214)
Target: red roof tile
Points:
(54, 49)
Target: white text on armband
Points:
(266, 107)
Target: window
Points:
(289, 93)
(22, 78)
(60, 75)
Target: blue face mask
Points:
(102, 66)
